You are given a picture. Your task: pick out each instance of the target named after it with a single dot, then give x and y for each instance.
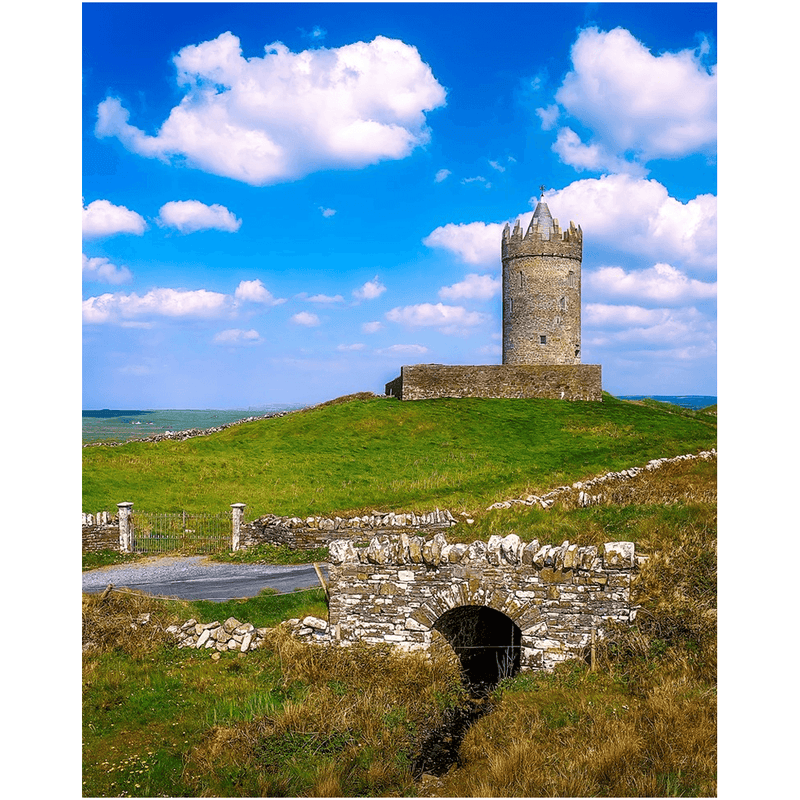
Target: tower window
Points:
(520, 280)
(562, 304)
(542, 339)
(571, 279)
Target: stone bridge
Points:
(503, 606)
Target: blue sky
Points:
(283, 203)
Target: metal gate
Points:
(179, 532)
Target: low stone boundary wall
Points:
(581, 491)
(100, 532)
(311, 532)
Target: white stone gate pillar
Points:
(125, 527)
(238, 514)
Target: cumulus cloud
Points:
(473, 287)
(638, 216)
(472, 242)
(236, 337)
(593, 157)
(447, 319)
(255, 292)
(327, 212)
(403, 349)
(101, 218)
(103, 271)
(117, 307)
(636, 103)
(306, 318)
(661, 283)
(441, 175)
(370, 290)
(284, 115)
(190, 216)
(372, 327)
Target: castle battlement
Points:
(543, 237)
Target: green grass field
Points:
(303, 721)
(379, 453)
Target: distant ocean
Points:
(122, 426)
(685, 400)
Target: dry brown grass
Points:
(360, 720)
(689, 481)
(124, 620)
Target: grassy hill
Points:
(297, 720)
(360, 454)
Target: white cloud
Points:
(349, 347)
(497, 166)
(638, 216)
(156, 303)
(236, 336)
(661, 283)
(285, 115)
(472, 242)
(477, 179)
(447, 319)
(371, 327)
(634, 102)
(256, 292)
(548, 116)
(306, 318)
(103, 271)
(190, 216)
(325, 299)
(473, 287)
(370, 290)
(327, 212)
(594, 157)
(611, 326)
(441, 175)
(101, 218)
(403, 349)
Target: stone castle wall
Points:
(397, 588)
(552, 381)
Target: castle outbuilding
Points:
(541, 326)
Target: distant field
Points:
(384, 454)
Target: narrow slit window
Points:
(542, 339)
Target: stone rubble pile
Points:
(230, 635)
(585, 498)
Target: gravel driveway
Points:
(197, 578)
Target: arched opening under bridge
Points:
(486, 641)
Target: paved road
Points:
(196, 578)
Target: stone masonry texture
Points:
(396, 589)
(552, 382)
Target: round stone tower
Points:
(542, 292)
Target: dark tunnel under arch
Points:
(486, 641)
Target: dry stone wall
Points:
(397, 588)
(550, 382)
(100, 532)
(310, 532)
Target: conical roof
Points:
(543, 219)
